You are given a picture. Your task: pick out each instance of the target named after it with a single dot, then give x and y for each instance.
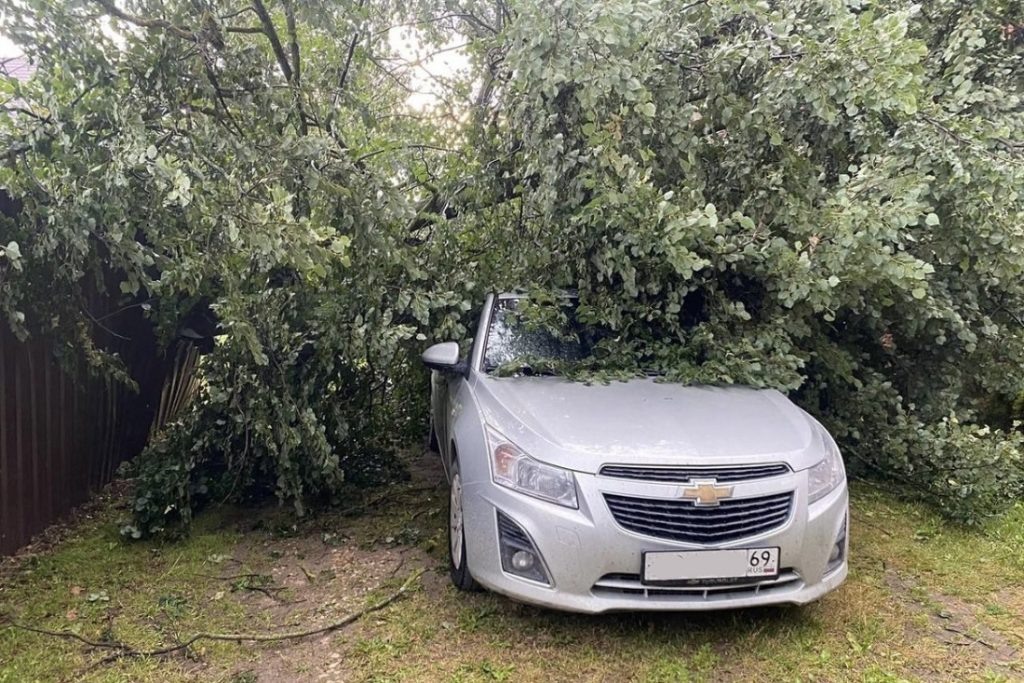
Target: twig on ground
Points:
(367, 504)
(309, 577)
(67, 635)
(860, 520)
(122, 651)
(372, 502)
(269, 592)
(965, 634)
(398, 567)
(230, 577)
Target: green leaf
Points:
(13, 251)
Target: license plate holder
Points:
(688, 566)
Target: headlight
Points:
(824, 477)
(514, 469)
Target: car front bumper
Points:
(594, 564)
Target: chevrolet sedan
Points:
(630, 495)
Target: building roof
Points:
(17, 67)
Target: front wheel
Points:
(458, 567)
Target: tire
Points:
(458, 567)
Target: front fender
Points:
(468, 440)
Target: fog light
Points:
(519, 556)
(836, 556)
(523, 560)
(837, 552)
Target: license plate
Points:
(691, 565)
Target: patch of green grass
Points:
(102, 589)
(951, 558)
(908, 567)
(868, 630)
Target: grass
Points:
(926, 600)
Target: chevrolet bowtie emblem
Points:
(706, 493)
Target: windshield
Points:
(521, 336)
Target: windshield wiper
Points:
(513, 369)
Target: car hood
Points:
(642, 421)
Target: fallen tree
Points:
(818, 197)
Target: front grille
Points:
(706, 591)
(687, 473)
(683, 520)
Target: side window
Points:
(501, 336)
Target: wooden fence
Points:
(62, 437)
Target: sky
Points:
(7, 48)
(422, 71)
(425, 65)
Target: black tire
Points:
(458, 567)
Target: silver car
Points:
(630, 495)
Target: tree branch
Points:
(121, 650)
(67, 635)
(155, 24)
(348, 59)
(232, 15)
(293, 40)
(393, 148)
(271, 33)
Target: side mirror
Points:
(444, 357)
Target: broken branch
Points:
(122, 651)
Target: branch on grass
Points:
(122, 651)
(66, 635)
(967, 635)
(230, 577)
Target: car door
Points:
(440, 394)
(444, 386)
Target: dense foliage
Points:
(819, 197)
(822, 197)
(255, 161)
